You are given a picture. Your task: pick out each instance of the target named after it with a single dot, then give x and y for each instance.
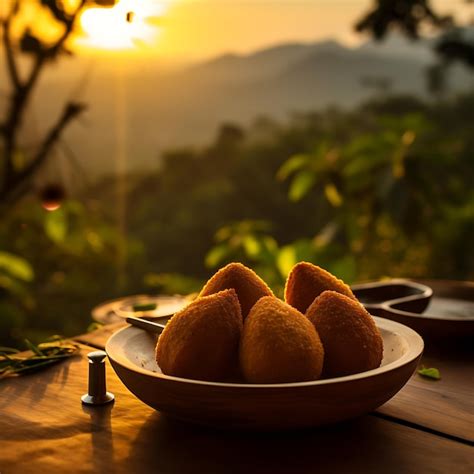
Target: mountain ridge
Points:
(140, 111)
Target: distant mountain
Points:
(140, 109)
(396, 45)
(232, 67)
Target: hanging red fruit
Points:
(52, 196)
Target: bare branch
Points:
(7, 44)
(70, 112)
(54, 49)
(19, 100)
(73, 159)
(17, 187)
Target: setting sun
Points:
(128, 24)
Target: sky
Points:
(197, 29)
(183, 30)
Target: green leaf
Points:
(344, 268)
(144, 307)
(43, 355)
(216, 255)
(94, 326)
(251, 245)
(16, 266)
(430, 373)
(173, 283)
(286, 259)
(55, 226)
(33, 348)
(332, 195)
(8, 350)
(270, 244)
(291, 165)
(300, 185)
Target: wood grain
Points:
(44, 427)
(99, 337)
(444, 406)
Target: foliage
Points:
(74, 252)
(388, 197)
(408, 15)
(387, 191)
(411, 17)
(430, 373)
(172, 283)
(40, 356)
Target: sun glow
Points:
(128, 24)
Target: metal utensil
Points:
(145, 325)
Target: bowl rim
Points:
(424, 292)
(415, 349)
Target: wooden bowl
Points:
(257, 406)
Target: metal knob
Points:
(97, 393)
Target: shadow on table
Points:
(102, 444)
(166, 445)
(34, 386)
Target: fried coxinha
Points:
(307, 281)
(279, 344)
(247, 284)
(351, 340)
(237, 326)
(202, 340)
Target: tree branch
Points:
(17, 187)
(7, 44)
(52, 50)
(20, 98)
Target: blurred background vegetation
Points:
(383, 190)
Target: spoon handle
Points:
(146, 325)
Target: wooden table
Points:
(427, 428)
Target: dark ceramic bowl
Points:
(449, 305)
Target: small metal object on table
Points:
(97, 393)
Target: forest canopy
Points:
(384, 190)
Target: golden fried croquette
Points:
(352, 342)
(247, 284)
(202, 340)
(307, 281)
(279, 345)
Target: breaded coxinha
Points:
(279, 345)
(202, 340)
(247, 284)
(307, 281)
(352, 342)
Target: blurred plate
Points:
(116, 310)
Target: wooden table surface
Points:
(427, 427)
